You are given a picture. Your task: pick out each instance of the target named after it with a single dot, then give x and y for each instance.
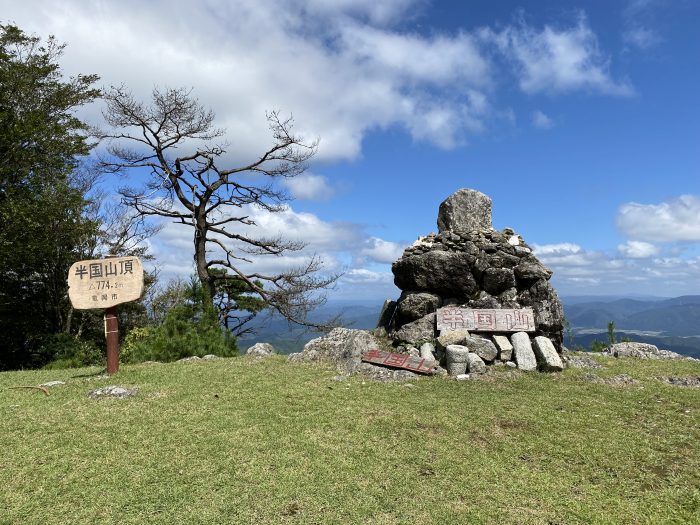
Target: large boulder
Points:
(643, 351)
(441, 272)
(417, 332)
(343, 346)
(414, 305)
(465, 210)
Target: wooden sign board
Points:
(403, 361)
(103, 283)
(453, 318)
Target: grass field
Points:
(245, 441)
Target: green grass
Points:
(245, 441)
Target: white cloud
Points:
(634, 265)
(362, 276)
(541, 121)
(379, 250)
(558, 60)
(638, 16)
(641, 37)
(381, 13)
(310, 187)
(564, 248)
(343, 247)
(637, 249)
(674, 220)
(340, 67)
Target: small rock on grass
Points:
(115, 391)
(261, 350)
(189, 359)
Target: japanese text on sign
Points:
(506, 320)
(105, 283)
(394, 360)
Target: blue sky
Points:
(579, 119)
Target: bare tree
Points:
(196, 190)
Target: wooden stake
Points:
(112, 336)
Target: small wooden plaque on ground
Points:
(402, 361)
(453, 318)
(103, 283)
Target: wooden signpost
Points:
(105, 283)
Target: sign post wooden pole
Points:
(103, 284)
(112, 336)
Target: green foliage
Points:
(65, 351)
(189, 328)
(598, 346)
(568, 330)
(42, 207)
(611, 333)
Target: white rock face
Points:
(514, 240)
(546, 355)
(522, 348)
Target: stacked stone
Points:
(469, 264)
(463, 353)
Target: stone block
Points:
(475, 365)
(505, 349)
(427, 351)
(522, 348)
(457, 357)
(546, 354)
(453, 337)
(484, 348)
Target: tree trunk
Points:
(200, 253)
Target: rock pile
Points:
(469, 264)
(345, 347)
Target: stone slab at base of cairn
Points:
(468, 264)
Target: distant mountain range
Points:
(679, 316)
(669, 323)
